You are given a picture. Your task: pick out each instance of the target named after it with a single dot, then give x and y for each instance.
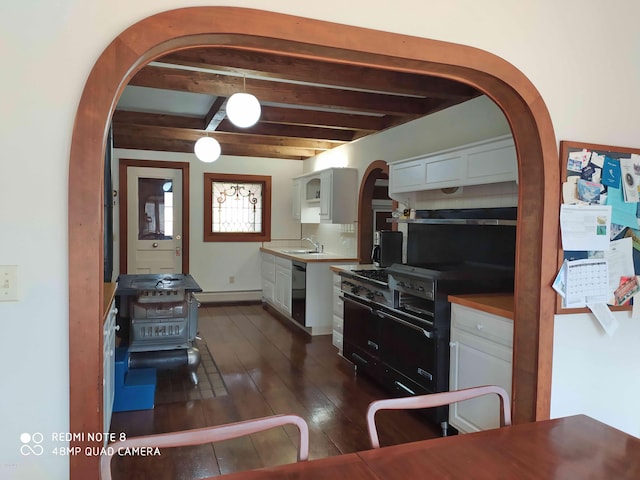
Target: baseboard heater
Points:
(234, 296)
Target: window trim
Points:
(264, 235)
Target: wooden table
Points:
(577, 447)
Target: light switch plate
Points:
(8, 283)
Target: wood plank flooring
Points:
(269, 368)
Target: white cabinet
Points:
(481, 354)
(276, 281)
(488, 161)
(109, 364)
(327, 196)
(296, 199)
(338, 314)
(283, 284)
(268, 268)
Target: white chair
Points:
(435, 400)
(208, 435)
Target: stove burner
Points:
(377, 275)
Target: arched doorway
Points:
(377, 170)
(265, 31)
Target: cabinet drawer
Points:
(338, 303)
(482, 324)
(338, 341)
(283, 262)
(338, 324)
(269, 271)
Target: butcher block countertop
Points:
(108, 292)
(500, 304)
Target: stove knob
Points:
(355, 289)
(370, 295)
(420, 288)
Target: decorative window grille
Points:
(237, 208)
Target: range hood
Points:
(506, 216)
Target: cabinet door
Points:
(109, 358)
(268, 291)
(326, 195)
(495, 162)
(407, 176)
(446, 170)
(283, 288)
(477, 361)
(296, 200)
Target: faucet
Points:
(315, 244)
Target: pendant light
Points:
(243, 109)
(207, 149)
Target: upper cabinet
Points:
(488, 161)
(326, 196)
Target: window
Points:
(237, 208)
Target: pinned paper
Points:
(605, 317)
(585, 227)
(578, 160)
(628, 288)
(623, 213)
(629, 180)
(611, 173)
(620, 263)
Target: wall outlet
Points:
(8, 283)
(232, 279)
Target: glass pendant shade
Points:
(243, 109)
(207, 149)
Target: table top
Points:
(564, 448)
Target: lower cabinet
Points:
(268, 268)
(338, 315)
(481, 354)
(283, 284)
(109, 359)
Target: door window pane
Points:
(155, 209)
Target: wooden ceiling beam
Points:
(317, 118)
(290, 131)
(185, 146)
(225, 138)
(282, 93)
(216, 114)
(246, 62)
(157, 119)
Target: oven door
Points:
(361, 334)
(409, 346)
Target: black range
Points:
(397, 322)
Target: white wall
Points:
(212, 263)
(582, 57)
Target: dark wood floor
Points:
(268, 368)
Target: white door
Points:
(154, 220)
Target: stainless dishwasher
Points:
(298, 291)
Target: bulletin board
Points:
(589, 173)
